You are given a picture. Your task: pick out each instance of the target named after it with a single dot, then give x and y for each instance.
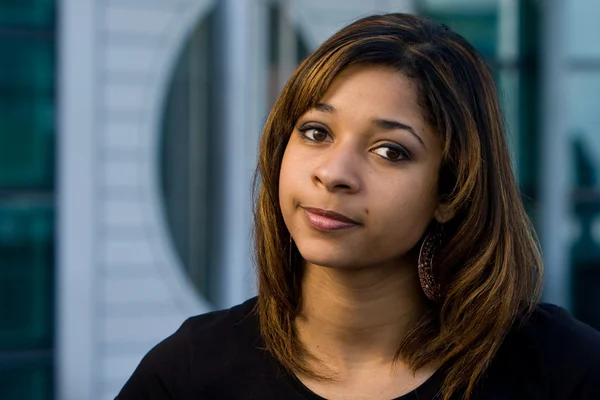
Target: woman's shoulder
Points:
(207, 334)
(204, 345)
(237, 320)
(560, 334)
(551, 351)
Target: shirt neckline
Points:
(426, 391)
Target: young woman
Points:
(394, 256)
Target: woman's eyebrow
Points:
(324, 107)
(389, 125)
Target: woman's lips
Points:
(328, 220)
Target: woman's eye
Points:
(392, 153)
(315, 134)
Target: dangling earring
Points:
(290, 253)
(431, 243)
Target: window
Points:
(26, 110)
(583, 86)
(193, 159)
(27, 56)
(505, 33)
(190, 168)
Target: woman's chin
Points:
(330, 259)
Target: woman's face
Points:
(358, 182)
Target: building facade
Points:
(128, 137)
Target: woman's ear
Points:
(444, 212)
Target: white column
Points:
(76, 200)
(554, 155)
(240, 142)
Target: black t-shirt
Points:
(219, 355)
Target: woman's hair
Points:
(489, 263)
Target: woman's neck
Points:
(352, 318)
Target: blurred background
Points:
(128, 135)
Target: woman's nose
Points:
(338, 170)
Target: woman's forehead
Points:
(379, 91)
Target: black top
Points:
(219, 356)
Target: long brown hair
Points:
(489, 263)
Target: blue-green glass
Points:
(26, 112)
(479, 28)
(26, 277)
(584, 127)
(584, 141)
(37, 13)
(31, 380)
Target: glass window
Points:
(287, 49)
(26, 277)
(190, 167)
(583, 28)
(584, 142)
(479, 27)
(505, 33)
(26, 112)
(191, 184)
(26, 380)
(33, 13)
(584, 126)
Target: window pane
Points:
(26, 112)
(27, 12)
(459, 4)
(584, 135)
(508, 81)
(476, 21)
(287, 48)
(479, 29)
(26, 277)
(584, 124)
(190, 168)
(583, 29)
(31, 380)
(505, 33)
